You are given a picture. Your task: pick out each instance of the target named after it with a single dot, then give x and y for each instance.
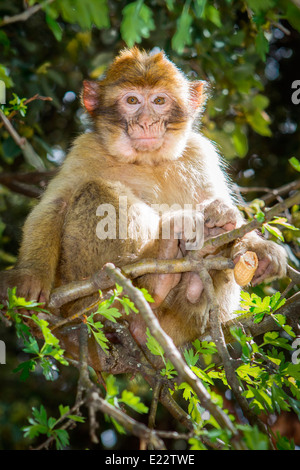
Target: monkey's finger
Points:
(265, 269)
(43, 297)
(194, 289)
(164, 283)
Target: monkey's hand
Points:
(30, 285)
(182, 231)
(219, 218)
(272, 258)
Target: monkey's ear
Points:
(198, 93)
(90, 96)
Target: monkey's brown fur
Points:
(60, 242)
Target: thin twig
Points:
(25, 15)
(30, 154)
(29, 100)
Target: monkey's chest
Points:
(170, 192)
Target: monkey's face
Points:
(146, 113)
(153, 125)
(144, 108)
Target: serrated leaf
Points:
(112, 389)
(190, 357)
(153, 345)
(101, 340)
(63, 409)
(137, 22)
(61, 438)
(25, 368)
(133, 401)
(147, 295)
(110, 313)
(40, 415)
(188, 392)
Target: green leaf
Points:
(240, 141)
(61, 438)
(101, 340)
(170, 4)
(202, 375)
(205, 347)
(55, 27)
(294, 370)
(283, 443)
(40, 415)
(258, 6)
(260, 216)
(137, 22)
(213, 15)
(31, 346)
(4, 76)
(262, 44)
(188, 392)
(99, 12)
(293, 15)
(255, 439)
(10, 149)
(147, 295)
(190, 357)
(49, 369)
(128, 305)
(183, 37)
(199, 7)
(274, 231)
(25, 368)
(272, 337)
(295, 163)
(112, 389)
(133, 401)
(111, 313)
(169, 370)
(153, 345)
(63, 409)
(78, 419)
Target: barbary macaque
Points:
(144, 150)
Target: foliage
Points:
(110, 313)
(267, 377)
(242, 49)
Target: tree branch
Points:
(168, 346)
(25, 14)
(30, 155)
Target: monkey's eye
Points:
(159, 100)
(132, 100)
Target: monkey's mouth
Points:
(147, 143)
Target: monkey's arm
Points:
(34, 272)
